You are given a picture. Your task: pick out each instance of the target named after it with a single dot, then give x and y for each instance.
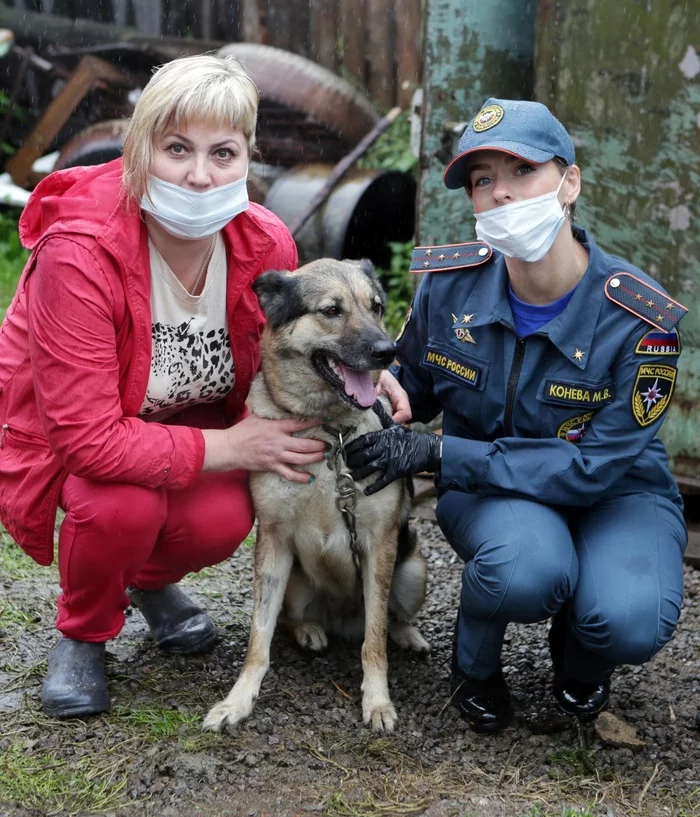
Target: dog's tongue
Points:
(359, 385)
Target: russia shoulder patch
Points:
(659, 343)
(448, 257)
(644, 301)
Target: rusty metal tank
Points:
(364, 212)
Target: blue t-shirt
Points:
(530, 317)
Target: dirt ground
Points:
(304, 751)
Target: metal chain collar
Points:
(346, 495)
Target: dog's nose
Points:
(383, 351)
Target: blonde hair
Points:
(203, 89)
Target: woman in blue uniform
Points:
(554, 364)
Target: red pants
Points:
(115, 535)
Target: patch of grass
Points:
(157, 724)
(9, 614)
(579, 761)
(54, 786)
(14, 562)
(12, 257)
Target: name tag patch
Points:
(652, 392)
(574, 429)
(463, 372)
(578, 394)
(659, 343)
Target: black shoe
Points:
(582, 700)
(176, 623)
(484, 705)
(75, 683)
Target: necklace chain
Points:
(205, 264)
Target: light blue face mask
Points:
(524, 229)
(191, 215)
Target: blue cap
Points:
(525, 129)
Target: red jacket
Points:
(75, 349)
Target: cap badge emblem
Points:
(487, 117)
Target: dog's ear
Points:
(367, 267)
(278, 294)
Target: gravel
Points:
(304, 751)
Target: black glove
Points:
(397, 451)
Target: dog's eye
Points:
(378, 308)
(332, 311)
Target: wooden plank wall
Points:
(373, 43)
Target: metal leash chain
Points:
(346, 495)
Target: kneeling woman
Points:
(125, 360)
(554, 364)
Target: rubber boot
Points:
(75, 684)
(176, 623)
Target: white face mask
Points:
(524, 229)
(188, 214)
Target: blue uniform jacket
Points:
(565, 416)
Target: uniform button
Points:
(483, 251)
(615, 283)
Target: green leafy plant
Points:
(12, 257)
(392, 151)
(398, 283)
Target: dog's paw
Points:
(408, 637)
(311, 636)
(226, 713)
(380, 716)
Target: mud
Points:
(305, 751)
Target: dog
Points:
(322, 349)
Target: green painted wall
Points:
(624, 78)
(473, 49)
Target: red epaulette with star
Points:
(642, 300)
(448, 257)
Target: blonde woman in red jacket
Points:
(125, 360)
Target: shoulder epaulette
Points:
(448, 257)
(642, 300)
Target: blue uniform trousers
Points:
(619, 563)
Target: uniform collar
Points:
(571, 332)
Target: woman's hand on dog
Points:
(396, 452)
(390, 386)
(257, 444)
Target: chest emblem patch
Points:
(464, 372)
(659, 343)
(574, 429)
(652, 392)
